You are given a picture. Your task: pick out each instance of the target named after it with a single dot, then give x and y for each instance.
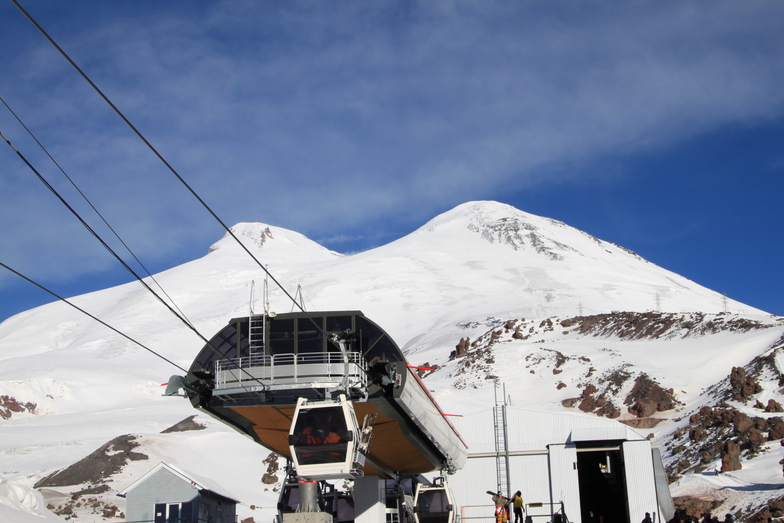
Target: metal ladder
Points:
(256, 333)
(501, 445)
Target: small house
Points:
(167, 494)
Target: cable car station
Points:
(331, 392)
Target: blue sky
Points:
(655, 125)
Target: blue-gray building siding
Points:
(161, 487)
(164, 488)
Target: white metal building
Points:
(592, 470)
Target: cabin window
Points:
(225, 342)
(336, 325)
(322, 436)
(375, 343)
(432, 506)
(309, 338)
(339, 323)
(281, 337)
(289, 499)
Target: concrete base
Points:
(307, 517)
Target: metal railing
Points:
(290, 369)
(554, 513)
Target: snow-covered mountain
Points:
(484, 293)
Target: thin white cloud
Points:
(319, 117)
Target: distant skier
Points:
(647, 518)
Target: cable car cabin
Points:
(325, 440)
(254, 371)
(433, 503)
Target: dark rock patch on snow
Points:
(648, 397)
(9, 405)
(659, 325)
(695, 506)
(270, 477)
(187, 424)
(742, 387)
(720, 432)
(108, 460)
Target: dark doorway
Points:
(602, 484)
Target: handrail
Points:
(564, 519)
(289, 366)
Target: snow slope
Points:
(466, 273)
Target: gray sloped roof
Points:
(198, 482)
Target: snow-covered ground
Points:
(464, 274)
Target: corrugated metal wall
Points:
(640, 484)
(528, 474)
(564, 482)
(532, 430)
(662, 487)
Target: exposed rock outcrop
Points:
(742, 387)
(648, 397)
(108, 460)
(270, 477)
(720, 432)
(461, 349)
(187, 424)
(730, 457)
(10, 405)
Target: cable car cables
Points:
(168, 166)
(91, 316)
(155, 152)
(116, 256)
(116, 235)
(95, 234)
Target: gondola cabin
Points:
(325, 440)
(433, 503)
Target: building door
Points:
(174, 513)
(602, 485)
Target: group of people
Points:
(502, 507)
(313, 434)
(310, 436)
(502, 515)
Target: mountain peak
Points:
(277, 242)
(502, 224)
(256, 234)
